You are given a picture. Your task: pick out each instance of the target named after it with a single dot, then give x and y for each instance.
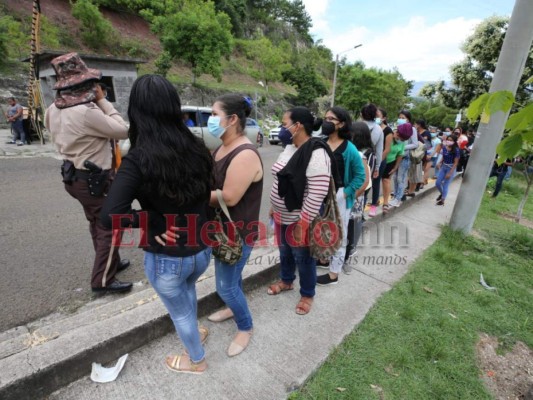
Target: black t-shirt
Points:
(339, 159)
(127, 186)
(387, 131)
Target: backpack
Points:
(417, 155)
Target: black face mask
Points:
(328, 128)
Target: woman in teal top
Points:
(337, 127)
(394, 158)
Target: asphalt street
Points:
(46, 252)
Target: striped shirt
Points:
(318, 174)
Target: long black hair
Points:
(343, 116)
(361, 136)
(174, 162)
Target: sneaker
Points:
(373, 211)
(439, 198)
(395, 203)
(347, 268)
(440, 202)
(11, 142)
(324, 280)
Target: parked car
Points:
(199, 117)
(253, 126)
(273, 137)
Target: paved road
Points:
(46, 254)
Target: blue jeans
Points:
(18, 131)
(400, 178)
(442, 183)
(297, 257)
(174, 280)
(229, 288)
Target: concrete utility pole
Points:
(509, 70)
(335, 73)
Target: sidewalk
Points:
(35, 149)
(286, 348)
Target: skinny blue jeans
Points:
(292, 257)
(400, 178)
(229, 288)
(174, 280)
(442, 183)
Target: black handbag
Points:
(227, 249)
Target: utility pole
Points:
(509, 70)
(335, 73)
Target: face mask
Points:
(449, 143)
(213, 126)
(285, 135)
(377, 121)
(401, 121)
(433, 135)
(328, 128)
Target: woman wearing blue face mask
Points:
(301, 182)
(239, 174)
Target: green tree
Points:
(14, 39)
(198, 35)
(472, 76)
(518, 134)
(269, 61)
(357, 86)
(163, 63)
(96, 31)
(308, 84)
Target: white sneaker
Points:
(395, 203)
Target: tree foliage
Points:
(269, 61)
(96, 31)
(308, 84)
(472, 76)
(198, 35)
(434, 113)
(358, 86)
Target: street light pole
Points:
(335, 73)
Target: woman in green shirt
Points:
(394, 158)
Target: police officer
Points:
(81, 123)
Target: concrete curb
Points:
(45, 367)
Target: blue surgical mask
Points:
(285, 136)
(213, 126)
(401, 121)
(377, 121)
(433, 135)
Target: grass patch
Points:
(415, 344)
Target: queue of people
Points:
(181, 188)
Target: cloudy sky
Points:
(420, 37)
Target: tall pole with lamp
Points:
(335, 73)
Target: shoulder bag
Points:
(326, 230)
(227, 249)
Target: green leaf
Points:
(527, 136)
(499, 101)
(509, 147)
(476, 107)
(520, 120)
(530, 80)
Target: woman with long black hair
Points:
(170, 172)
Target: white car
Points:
(199, 117)
(273, 137)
